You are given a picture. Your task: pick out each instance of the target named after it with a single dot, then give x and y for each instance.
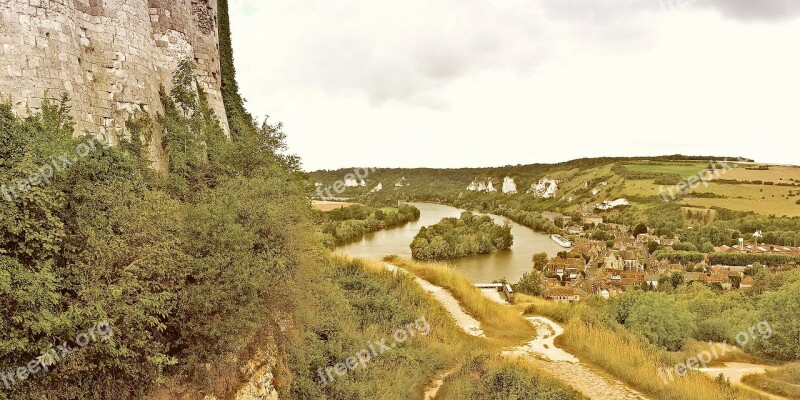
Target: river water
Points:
(509, 264)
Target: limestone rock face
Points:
(509, 186)
(609, 204)
(482, 185)
(544, 189)
(109, 56)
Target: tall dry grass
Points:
(503, 325)
(624, 356)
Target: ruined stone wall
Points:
(110, 56)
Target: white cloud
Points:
(446, 83)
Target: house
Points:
(644, 238)
(694, 277)
(652, 280)
(630, 261)
(592, 219)
(613, 260)
(567, 268)
(550, 283)
(720, 278)
(565, 294)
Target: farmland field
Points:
(772, 207)
(330, 205)
(776, 173)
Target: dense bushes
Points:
(348, 223)
(657, 317)
(461, 237)
(182, 265)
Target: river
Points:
(509, 264)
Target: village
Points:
(608, 268)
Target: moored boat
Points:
(562, 241)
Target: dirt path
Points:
(434, 386)
(564, 366)
(469, 324)
(736, 371)
(541, 351)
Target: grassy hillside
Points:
(744, 197)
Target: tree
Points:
(778, 332)
(652, 246)
(530, 283)
(639, 229)
(540, 261)
(660, 319)
(677, 279)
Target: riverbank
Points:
(508, 264)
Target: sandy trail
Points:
(541, 351)
(433, 388)
(469, 324)
(564, 366)
(736, 371)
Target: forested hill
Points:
(442, 184)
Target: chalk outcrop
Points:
(482, 185)
(609, 204)
(544, 189)
(509, 186)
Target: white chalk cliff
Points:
(509, 186)
(544, 189)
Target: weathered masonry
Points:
(109, 56)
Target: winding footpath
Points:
(469, 324)
(541, 351)
(735, 372)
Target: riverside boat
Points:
(563, 242)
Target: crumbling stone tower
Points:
(110, 56)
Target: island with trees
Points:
(349, 223)
(461, 237)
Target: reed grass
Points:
(503, 325)
(625, 357)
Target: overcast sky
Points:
(454, 83)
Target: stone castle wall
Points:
(109, 56)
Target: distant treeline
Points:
(745, 259)
(531, 219)
(460, 237)
(348, 223)
(680, 256)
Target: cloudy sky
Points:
(454, 83)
